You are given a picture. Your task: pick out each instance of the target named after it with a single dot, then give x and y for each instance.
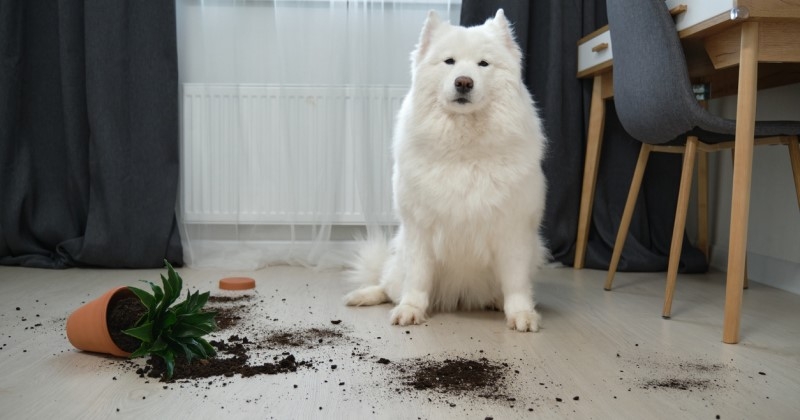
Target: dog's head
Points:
(464, 69)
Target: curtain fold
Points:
(548, 33)
(88, 134)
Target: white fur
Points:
(468, 184)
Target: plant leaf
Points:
(190, 330)
(177, 281)
(169, 360)
(143, 333)
(143, 349)
(197, 318)
(168, 320)
(202, 299)
(208, 347)
(157, 292)
(148, 300)
(171, 328)
(201, 347)
(158, 345)
(195, 347)
(168, 293)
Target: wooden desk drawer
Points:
(594, 52)
(699, 11)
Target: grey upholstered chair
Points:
(656, 105)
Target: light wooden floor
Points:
(602, 347)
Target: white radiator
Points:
(261, 154)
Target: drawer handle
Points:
(600, 47)
(678, 9)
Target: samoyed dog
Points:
(468, 186)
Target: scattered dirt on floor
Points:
(303, 338)
(233, 358)
(458, 380)
(227, 317)
(229, 299)
(658, 371)
(680, 384)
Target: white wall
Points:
(773, 244)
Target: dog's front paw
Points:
(366, 296)
(407, 315)
(523, 321)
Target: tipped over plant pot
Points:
(153, 326)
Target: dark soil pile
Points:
(123, 314)
(233, 358)
(481, 377)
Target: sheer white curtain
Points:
(287, 109)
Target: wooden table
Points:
(718, 36)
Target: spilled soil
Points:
(459, 376)
(123, 314)
(233, 358)
(680, 384)
(243, 353)
(458, 379)
(304, 338)
(689, 376)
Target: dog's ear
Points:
(426, 37)
(506, 32)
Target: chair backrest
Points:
(652, 92)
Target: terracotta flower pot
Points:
(87, 328)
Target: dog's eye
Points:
(450, 61)
(483, 63)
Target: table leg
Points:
(742, 170)
(594, 140)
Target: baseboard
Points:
(775, 272)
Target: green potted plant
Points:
(164, 329)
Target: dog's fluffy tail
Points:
(366, 268)
(366, 271)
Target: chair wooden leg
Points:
(702, 203)
(680, 222)
(594, 140)
(627, 214)
(745, 281)
(794, 155)
(742, 177)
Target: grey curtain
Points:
(548, 32)
(88, 133)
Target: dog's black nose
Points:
(464, 84)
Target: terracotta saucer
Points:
(237, 283)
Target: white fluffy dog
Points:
(468, 183)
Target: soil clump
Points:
(456, 377)
(122, 315)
